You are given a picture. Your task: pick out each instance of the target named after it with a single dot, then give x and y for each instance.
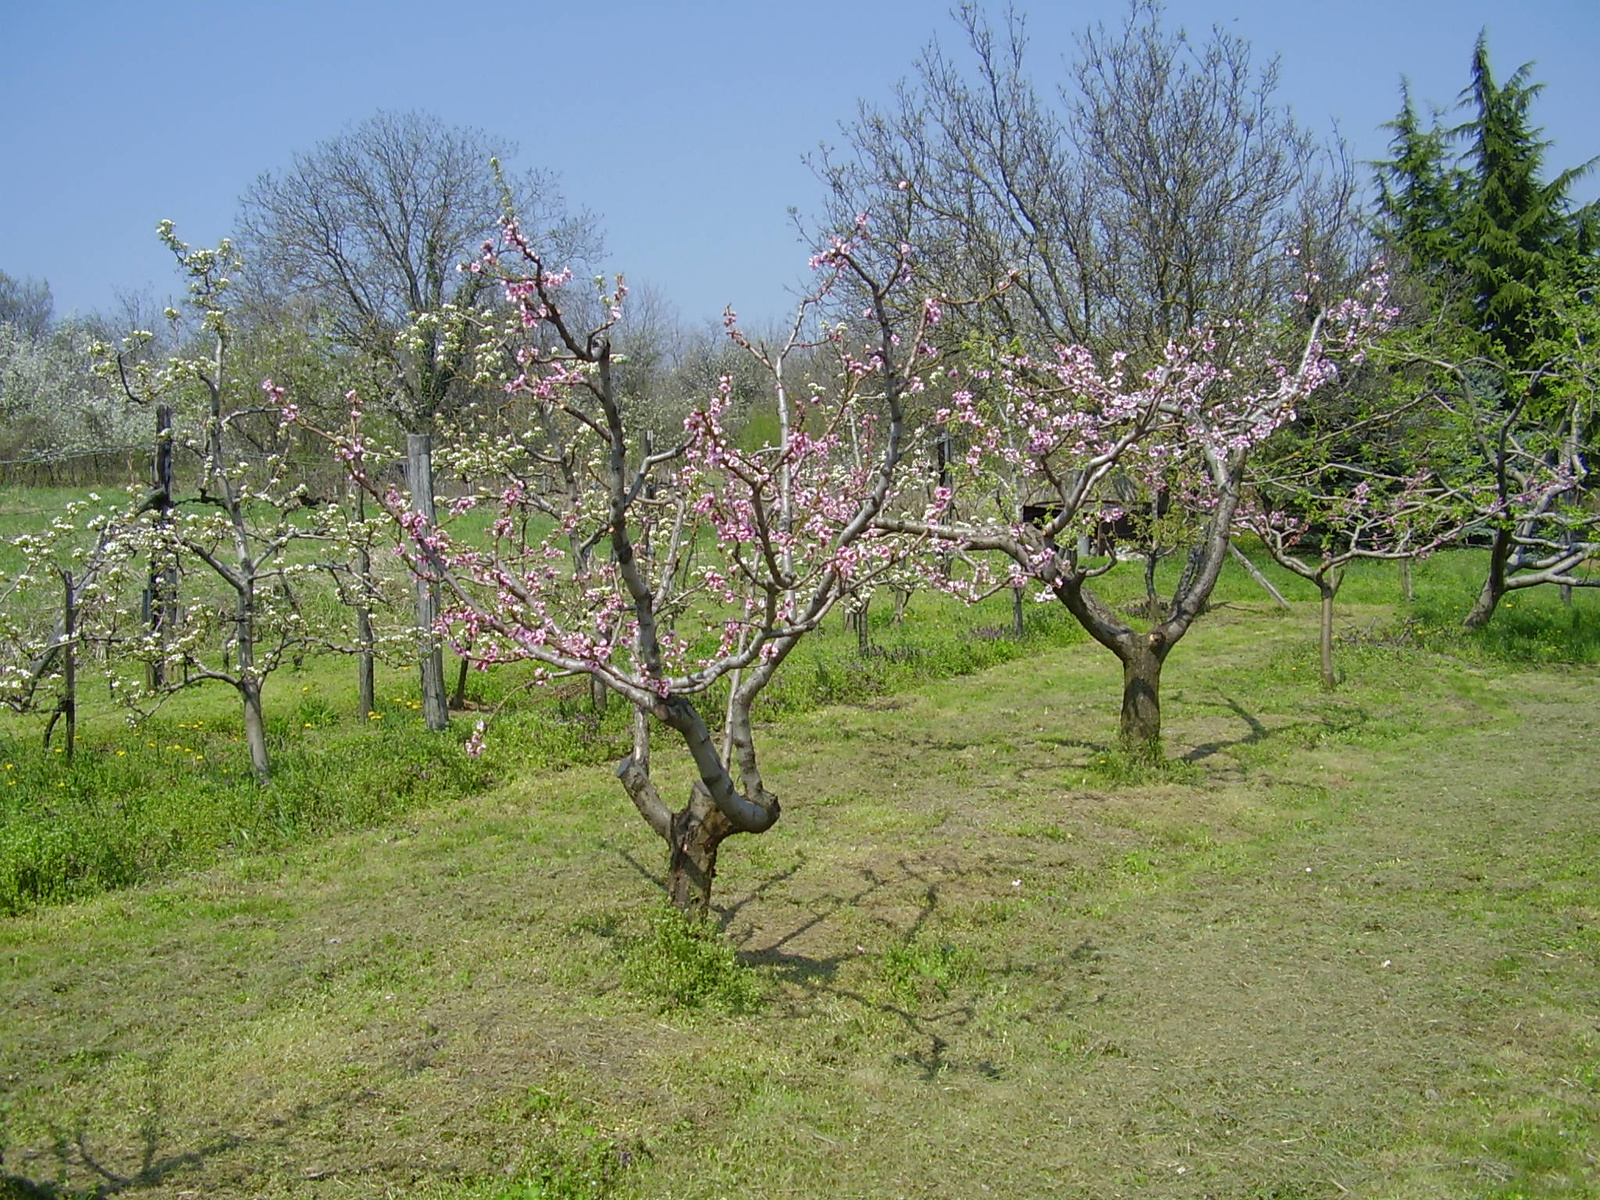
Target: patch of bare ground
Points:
(1344, 946)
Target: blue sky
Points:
(682, 126)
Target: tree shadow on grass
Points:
(1258, 732)
(644, 872)
(73, 1152)
(817, 977)
(78, 1171)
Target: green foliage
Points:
(1517, 231)
(681, 963)
(1418, 188)
(1483, 224)
(1530, 627)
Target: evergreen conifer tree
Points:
(1484, 216)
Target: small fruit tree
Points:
(676, 573)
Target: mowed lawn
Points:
(1346, 946)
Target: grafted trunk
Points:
(697, 833)
(1142, 659)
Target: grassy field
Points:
(1343, 945)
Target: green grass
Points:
(1314, 955)
(680, 964)
(176, 793)
(1338, 944)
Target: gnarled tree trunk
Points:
(697, 832)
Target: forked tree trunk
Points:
(694, 834)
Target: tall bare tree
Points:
(1158, 183)
(27, 305)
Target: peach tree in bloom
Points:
(679, 576)
(1047, 436)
